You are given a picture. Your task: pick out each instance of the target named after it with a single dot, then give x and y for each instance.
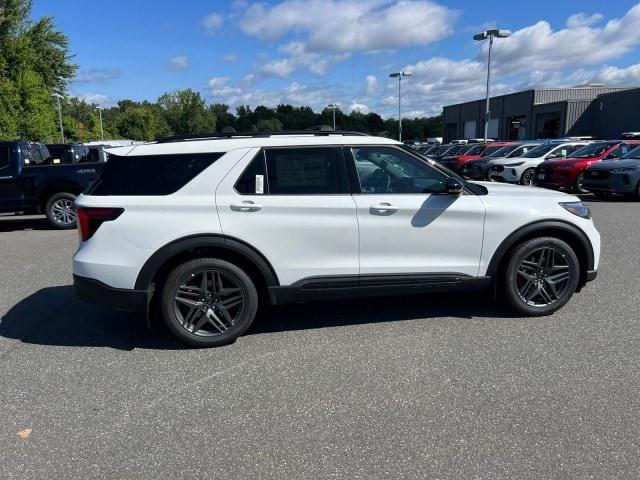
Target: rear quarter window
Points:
(139, 175)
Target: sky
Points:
(316, 52)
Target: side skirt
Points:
(356, 286)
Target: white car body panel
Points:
(427, 233)
(301, 235)
(305, 236)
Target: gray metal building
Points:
(598, 111)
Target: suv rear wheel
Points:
(540, 276)
(208, 302)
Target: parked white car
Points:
(203, 231)
(522, 169)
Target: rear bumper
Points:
(94, 291)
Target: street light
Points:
(333, 107)
(101, 130)
(399, 76)
(57, 95)
(490, 34)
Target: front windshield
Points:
(592, 150)
(635, 153)
(475, 150)
(539, 151)
(489, 151)
(521, 150)
(504, 151)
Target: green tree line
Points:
(36, 65)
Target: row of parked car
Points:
(578, 165)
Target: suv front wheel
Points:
(208, 302)
(540, 276)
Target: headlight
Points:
(514, 164)
(577, 208)
(624, 169)
(568, 165)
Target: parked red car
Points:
(455, 162)
(567, 173)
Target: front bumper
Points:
(555, 177)
(504, 174)
(475, 171)
(94, 291)
(614, 182)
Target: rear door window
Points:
(306, 171)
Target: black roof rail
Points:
(234, 134)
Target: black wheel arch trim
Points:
(542, 225)
(176, 247)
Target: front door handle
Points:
(383, 208)
(247, 206)
(9, 177)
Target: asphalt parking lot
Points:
(444, 387)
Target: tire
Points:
(528, 177)
(60, 211)
(578, 186)
(528, 265)
(224, 312)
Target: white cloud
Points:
(220, 89)
(299, 57)
(230, 58)
(538, 47)
(180, 62)
(358, 107)
(96, 99)
(611, 75)
(371, 84)
(351, 25)
(97, 75)
(212, 23)
(578, 20)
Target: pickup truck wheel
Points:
(208, 302)
(540, 276)
(61, 211)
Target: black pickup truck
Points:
(31, 182)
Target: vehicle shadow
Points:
(56, 316)
(16, 223)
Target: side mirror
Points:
(453, 186)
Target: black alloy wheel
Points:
(528, 177)
(208, 302)
(541, 276)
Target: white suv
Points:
(522, 169)
(203, 230)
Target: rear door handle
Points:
(9, 177)
(247, 206)
(384, 208)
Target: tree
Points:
(269, 125)
(185, 112)
(34, 63)
(138, 123)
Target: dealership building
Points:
(593, 110)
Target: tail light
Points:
(90, 219)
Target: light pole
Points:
(399, 76)
(57, 95)
(101, 130)
(480, 37)
(333, 107)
